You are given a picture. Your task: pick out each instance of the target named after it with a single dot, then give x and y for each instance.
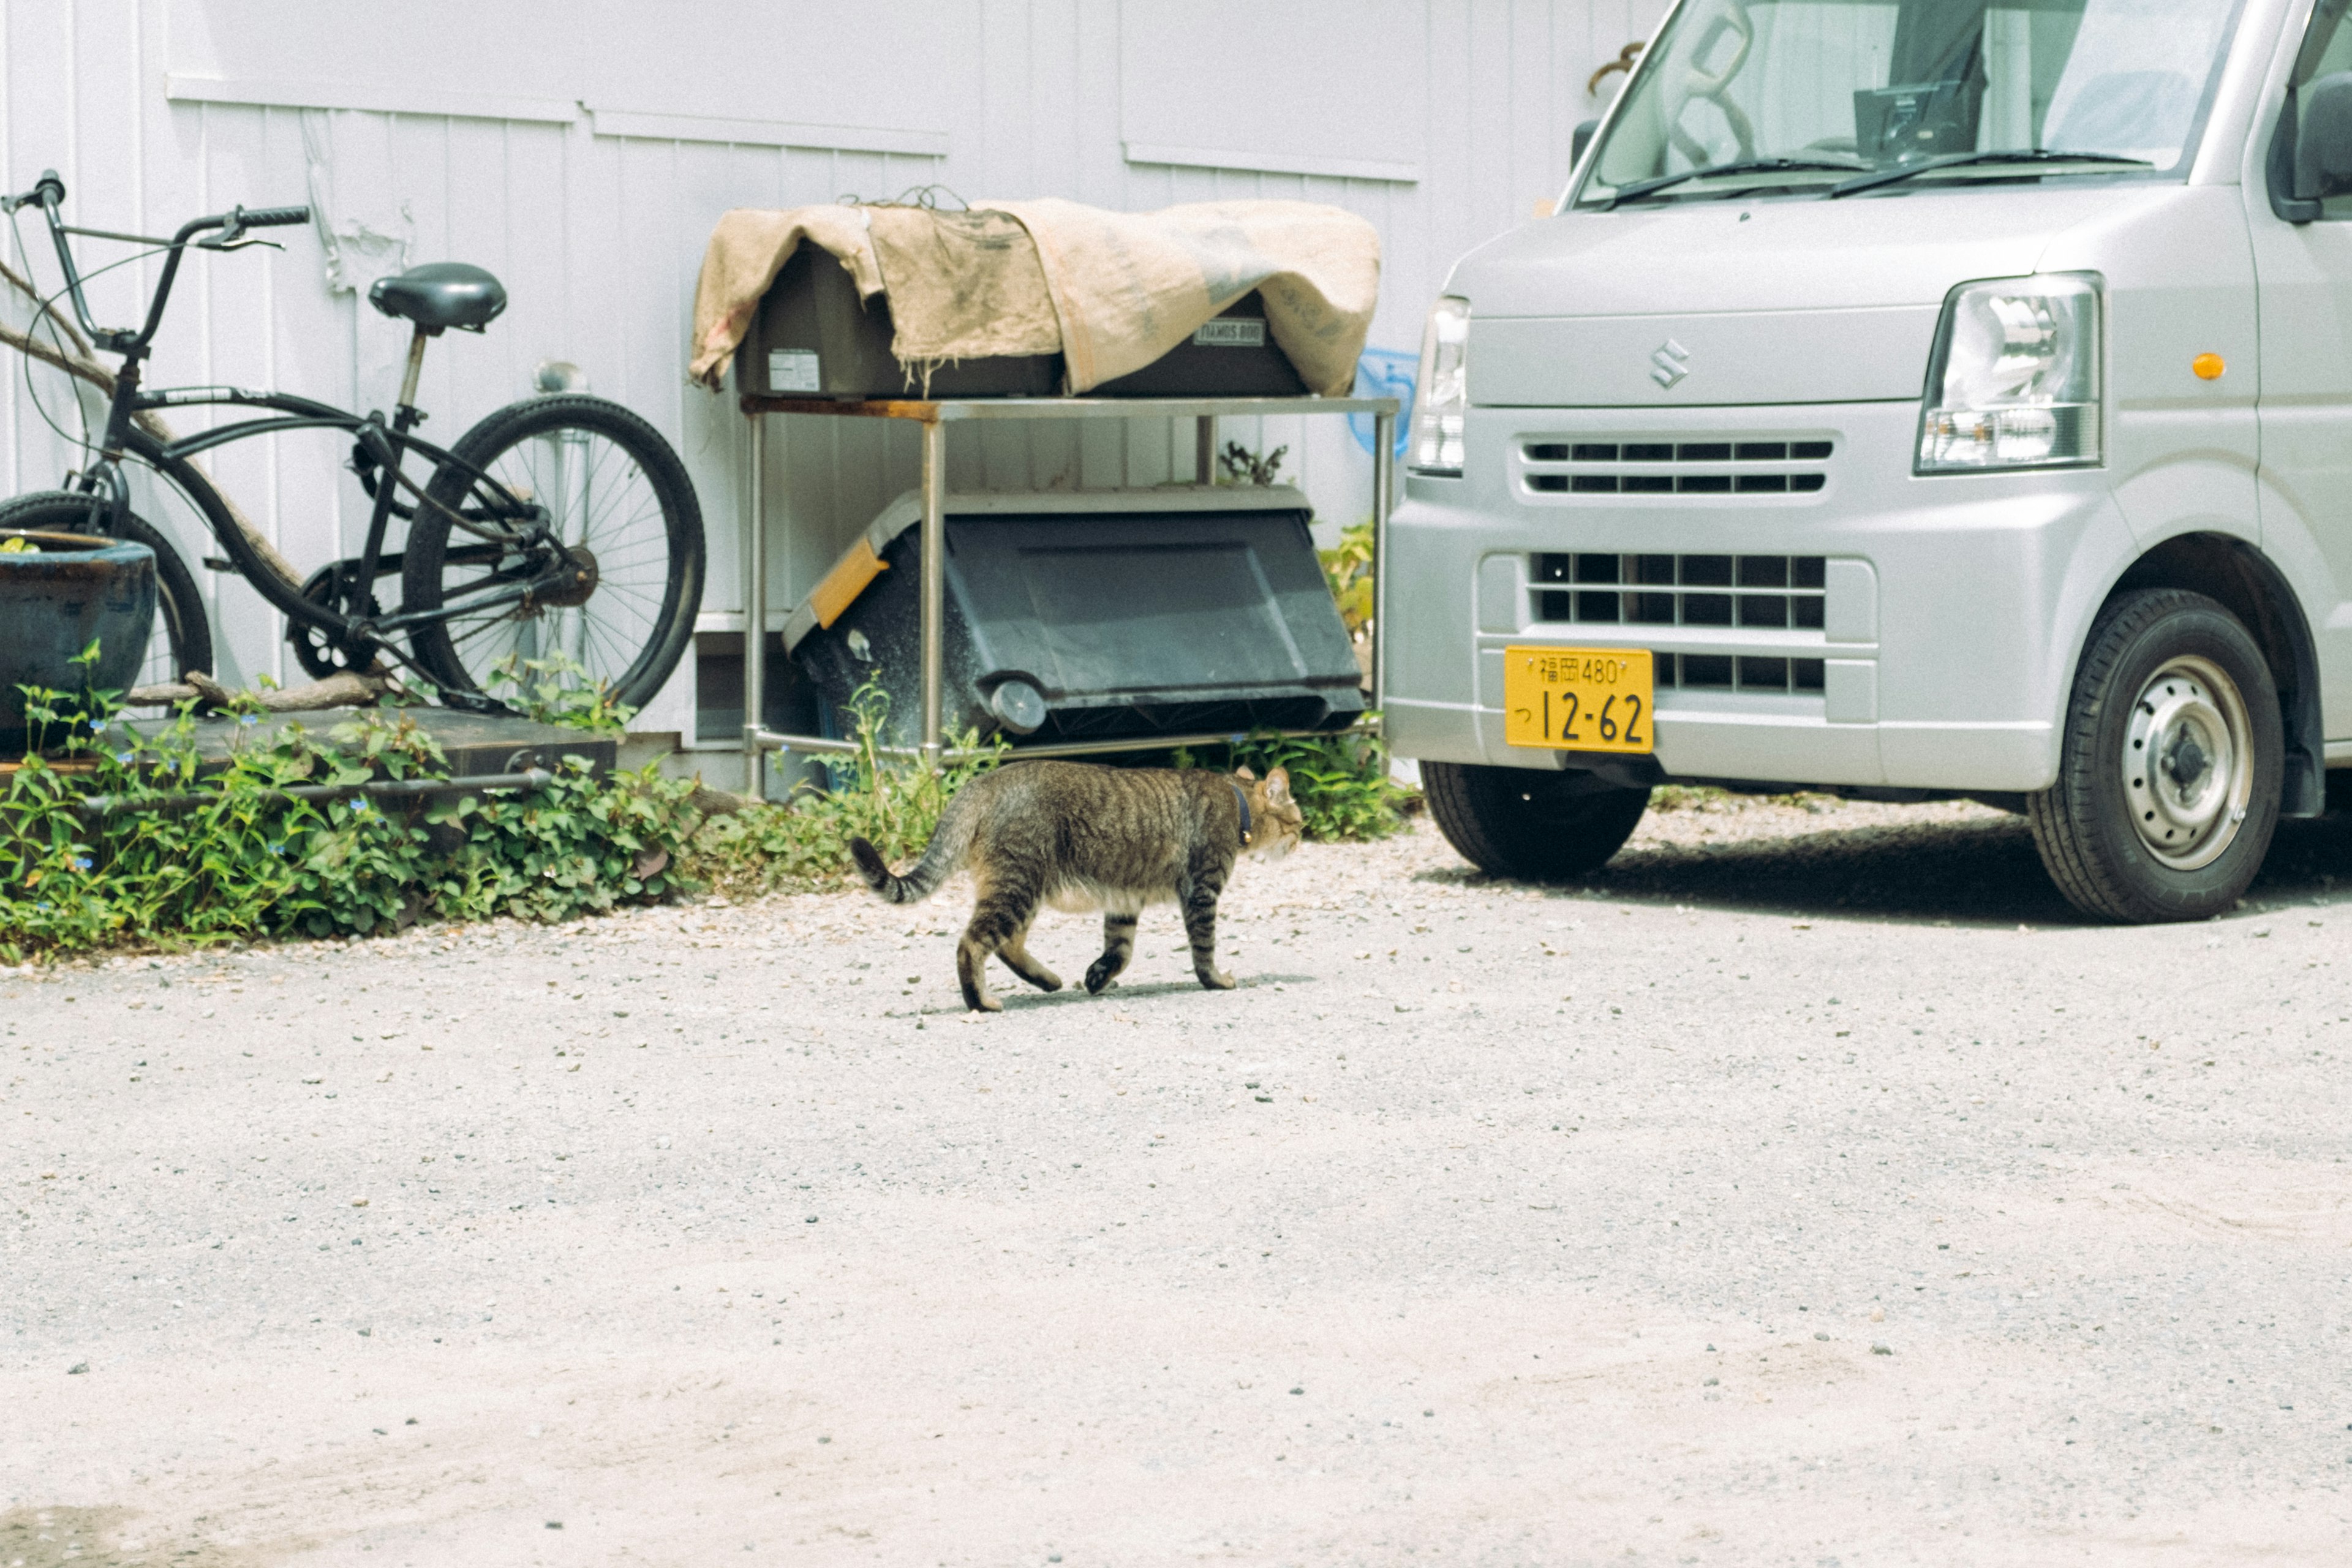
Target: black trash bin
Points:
(1076, 617)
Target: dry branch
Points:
(344, 688)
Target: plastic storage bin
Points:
(1087, 616)
(812, 337)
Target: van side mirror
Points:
(1583, 139)
(2311, 157)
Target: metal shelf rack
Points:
(935, 416)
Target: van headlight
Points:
(1441, 403)
(2014, 381)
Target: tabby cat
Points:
(1079, 836)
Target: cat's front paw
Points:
(1098, 977)
(1215, 979)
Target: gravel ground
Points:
(1809, 1189)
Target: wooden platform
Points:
(474, 744)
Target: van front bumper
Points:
(1950, 615)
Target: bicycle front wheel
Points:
(620, 502)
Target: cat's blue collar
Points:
(1240, 798)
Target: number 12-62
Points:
(1613, 722)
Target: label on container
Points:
(793, 370)
(1232, 332)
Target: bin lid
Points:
(862, 561)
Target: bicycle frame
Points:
(341, 618)
(388, 445)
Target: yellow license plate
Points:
(1577, 699)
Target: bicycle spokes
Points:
(571, 560)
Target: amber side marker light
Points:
(2209, 367)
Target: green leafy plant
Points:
(803, 844)
(555, 690)
(212, 853)
(1341, 782)
(581, 845)
(1348, 568)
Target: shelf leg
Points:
(755, 610)
(1205, 449)
(1383, 500)
(935, 570)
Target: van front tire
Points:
(2170, 766)
(1529, 826)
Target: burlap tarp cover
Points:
(1111, 292)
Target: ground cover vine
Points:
(209, 854)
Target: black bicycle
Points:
(562, 527)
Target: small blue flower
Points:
(126, 757)
(249, 719)
(82, 862)
(359, 806)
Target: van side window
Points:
(2312, 158)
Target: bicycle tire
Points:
(181, 624)
(633, 644)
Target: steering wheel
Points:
(1693, 82)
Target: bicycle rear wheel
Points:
(183, 639)
(620, 502)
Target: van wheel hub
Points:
(2188, 763)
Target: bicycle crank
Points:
(319, 653)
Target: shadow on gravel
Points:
(1074, 993)
(1979, 873)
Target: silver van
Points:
(1951, 395)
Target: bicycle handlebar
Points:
(48, 194)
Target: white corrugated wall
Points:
(582, 152)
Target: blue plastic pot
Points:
(55, 600)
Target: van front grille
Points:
(1777, 593)
(1735, 672)
(1663, 467)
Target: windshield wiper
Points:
(1745, 166)
(1872, 181)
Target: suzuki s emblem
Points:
(1669, 364)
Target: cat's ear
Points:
(1277, 787)
(1242, 772)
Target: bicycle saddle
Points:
(441, 294)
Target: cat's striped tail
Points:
(945, 852)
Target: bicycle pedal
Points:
(218, 563)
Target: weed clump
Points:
(207, 853)
(802, 845)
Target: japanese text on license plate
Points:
(1582, 700)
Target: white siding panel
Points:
(598, 237)
(1319, 87)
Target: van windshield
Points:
(1758, 95)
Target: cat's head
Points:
(1275, 822)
